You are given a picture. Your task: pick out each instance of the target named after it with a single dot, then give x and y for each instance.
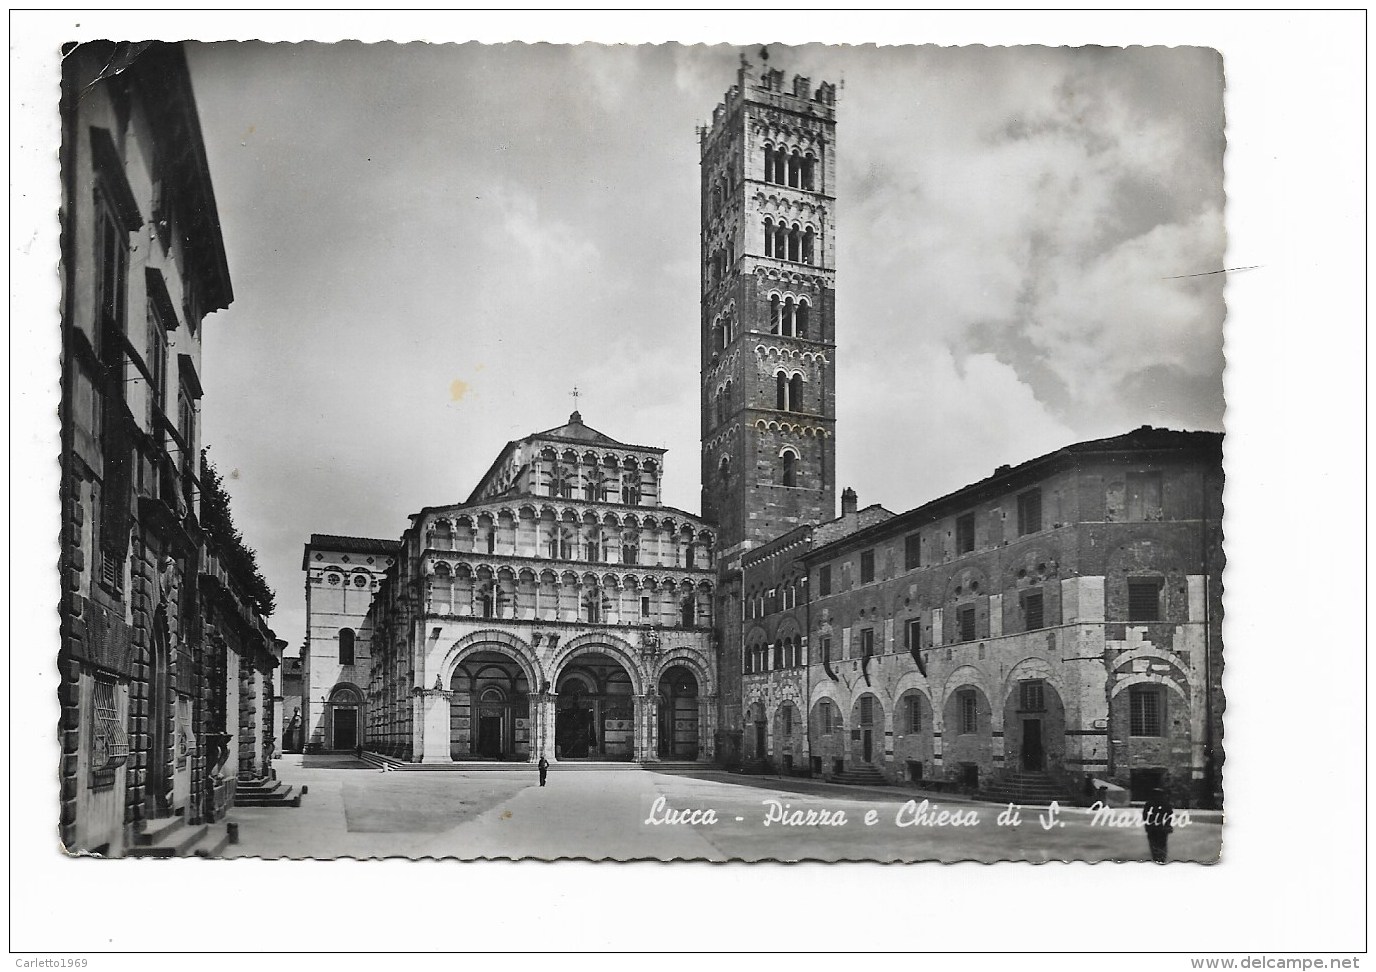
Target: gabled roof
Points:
(575, 431)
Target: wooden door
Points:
(345, 728)
(1033, 755)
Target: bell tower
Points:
(768, 307)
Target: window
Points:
(781, 391)
(157, 360)
(1144, 496)
(1144, 599)
(914, 713)
(965, 622)
(1147, 709)
(630, 552)
(790, 468)
(1032, 615)
(689, 611)
(969, 711)
(965, 533)
(867, 643)
(788, 720)
(827, 719)
(826, 651)
(645, 607)
(912, 551)
(1032, 695)
(824, 580)
(1029, 511)
(867, 567)
(346, 646)
(866, 710)
(778, 655)
(912, 633)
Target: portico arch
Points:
(491, 640)
(603, 644)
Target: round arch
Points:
(601, 644)
(498, 641)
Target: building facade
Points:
(561, 611)
(165, 657)
(768, 202)
(1056, 621)
(342, 576)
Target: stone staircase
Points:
(1026, 789)
(861, 774)
(174, 837)
(265, 792)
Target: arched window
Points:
(724, 470)
(780, 166)
(787, 317)
(775, 314)
(768, 237)
(795, 393)
(800, 319)
(795, 170)
(768, 163)
(688, 611)
(487, 600)
(346, 646)
(795, 244)
(810, 172)
(781, 391)
(593, 545)
(592, 605)
(789, 461)
(630, 548)
(780, 240)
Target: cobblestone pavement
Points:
(355, 810)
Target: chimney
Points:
(849, 502)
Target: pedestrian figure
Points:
(1156, 816)
(544, 769)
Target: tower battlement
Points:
(773, 88)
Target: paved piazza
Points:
(355, 810)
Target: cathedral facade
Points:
(561, 611)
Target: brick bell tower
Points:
(768, 307)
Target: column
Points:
(430, 725)
(542, 708)
(707, 728)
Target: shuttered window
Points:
(965, 533)
(867, 567)
(914, 714)
(912, 633)
(965, 621)
(1144, 496)
(1144, 600)
(1032, 696)
(1033, 617)
(1029, 511)
(912, 552)
(824, 580)
(866, 642)
(866, 710)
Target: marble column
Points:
(430, 725)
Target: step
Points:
(283, 797)
(211, 845)
(173, 844)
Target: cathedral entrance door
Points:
(1033, 755)
(345, 728)
(490, 735)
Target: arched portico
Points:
(596, 709)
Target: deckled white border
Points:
(1292, 871)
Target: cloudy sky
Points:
(431, 246)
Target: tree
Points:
(238, 557)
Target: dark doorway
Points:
(1033, 753)
(490, 736)
(1144, 782)
(867, 741)
(760, 744)
(159, 783)
(345, 728)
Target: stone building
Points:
(768, 188)
(774, 680)
(562, 610)
(1058, 620)
(165, 658)
(342, 576)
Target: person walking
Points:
(1156, 816)
(544, 769)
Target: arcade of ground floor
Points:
(624, 812)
